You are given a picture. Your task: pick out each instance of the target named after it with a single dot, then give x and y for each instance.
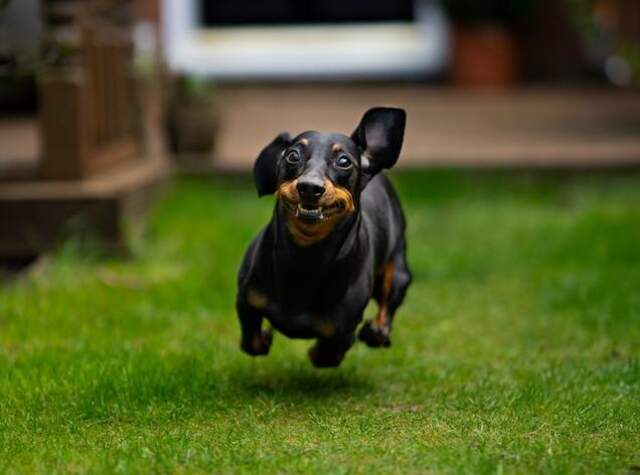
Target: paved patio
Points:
(446, 127)
(531, 127)
(19, 147)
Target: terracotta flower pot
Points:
(485, 57)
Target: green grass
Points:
(515, 351)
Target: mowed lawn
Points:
(516, 351)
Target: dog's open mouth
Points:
(315, 214)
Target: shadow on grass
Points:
(150, 381)
(301, 383)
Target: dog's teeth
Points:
(309, 213)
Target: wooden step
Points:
(36, 215)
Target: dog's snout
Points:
(310, 188)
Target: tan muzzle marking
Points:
(305, 234)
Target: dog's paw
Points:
(259, 345)
(321, 358)
(374, 336)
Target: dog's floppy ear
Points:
(379, 135)
(265, 170)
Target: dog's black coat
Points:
(321, 290)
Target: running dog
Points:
(336, 240)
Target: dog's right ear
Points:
(265, 170)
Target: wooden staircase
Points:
(100, 160)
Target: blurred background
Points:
(101, 101)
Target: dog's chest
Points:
(310, 297)
(310, 286)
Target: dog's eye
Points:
(343, 162)
(292, 157)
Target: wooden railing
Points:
(89, 108)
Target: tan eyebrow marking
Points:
(304, 141)
(336, 147)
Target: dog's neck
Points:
(334, 250)
(306, 274)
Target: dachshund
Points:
(336, 239)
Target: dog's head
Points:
(318, 177)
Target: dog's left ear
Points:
(379, 135)
(265, 169)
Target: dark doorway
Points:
(278, 12)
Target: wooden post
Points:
(86, 88)
(63, 93)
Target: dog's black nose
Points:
(310, 188)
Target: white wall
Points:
(324, 51)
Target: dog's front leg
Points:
(254, 340)
(329, 352)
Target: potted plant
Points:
(191, 120)
(485, 48)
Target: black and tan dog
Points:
(336, 240)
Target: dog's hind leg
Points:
(254, 340)
(391, 287)
(329, 352)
